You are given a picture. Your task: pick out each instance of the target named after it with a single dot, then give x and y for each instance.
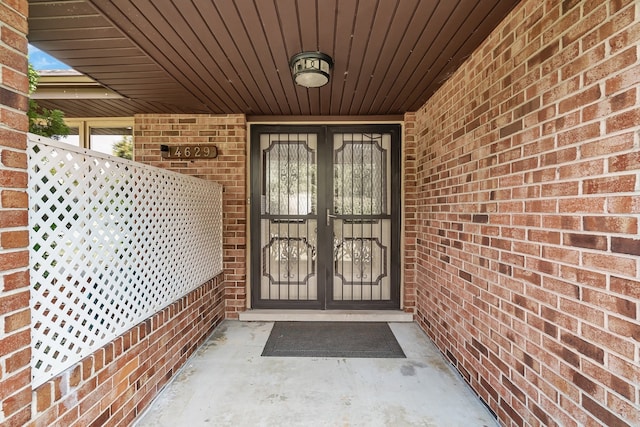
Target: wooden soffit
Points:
(232, 56)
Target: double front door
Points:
(325, 217)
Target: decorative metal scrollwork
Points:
(290, 178)
(360, 252)
(291, 253)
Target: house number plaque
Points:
(189, 152)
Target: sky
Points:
(43, 61)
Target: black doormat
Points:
(332, 339)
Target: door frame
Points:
(325, 132)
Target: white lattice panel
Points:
(112, 242)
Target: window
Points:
(74, 136)
(113, 136)
(108, 139)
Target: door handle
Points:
(329, 216)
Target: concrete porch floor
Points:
(228, 383)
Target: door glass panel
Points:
(360, 176)
(289, 260)
(362, 226)
(288, 217)
(290, 171)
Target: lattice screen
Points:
(112, 242)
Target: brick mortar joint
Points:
(9, 251)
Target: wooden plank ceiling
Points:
(232, 56)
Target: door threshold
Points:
(263, 315)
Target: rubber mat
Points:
(332, 339)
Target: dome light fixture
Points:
(311, 69)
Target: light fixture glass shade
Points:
(311, 69)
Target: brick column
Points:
(15, 349)
(410, 213)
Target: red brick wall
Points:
(528, 203)
(228, 133)
(15, 349)
(116, 383)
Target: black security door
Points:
(324, 216)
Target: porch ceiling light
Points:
(311, 69)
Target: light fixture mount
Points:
(311, 69)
